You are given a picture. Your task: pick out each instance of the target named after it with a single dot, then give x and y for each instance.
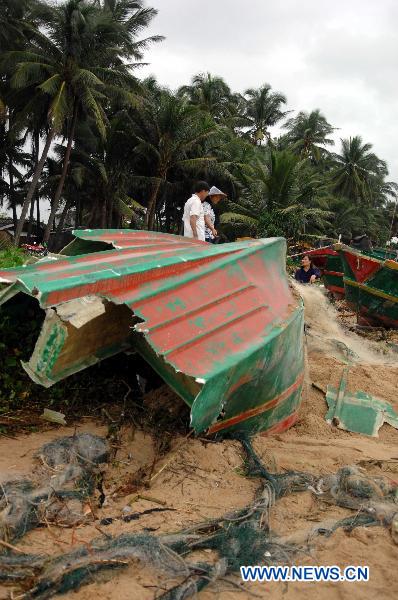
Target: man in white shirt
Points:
(193, 217)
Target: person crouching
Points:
(307, 273)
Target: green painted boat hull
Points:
(333, 276)
(329, 263)
(371, 285)
(259, 394)
(220, 324)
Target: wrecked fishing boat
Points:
(219, 323)
(329, 263)
(371, 284)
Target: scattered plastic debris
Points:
(53, 416)
(358, 412)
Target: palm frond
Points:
(59, 108)
(51, 85)
(236, 218)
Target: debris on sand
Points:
(53, 416)
(359, 412)
(66, 477)
(240, 537)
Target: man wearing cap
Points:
(193, 217)
(215, 195)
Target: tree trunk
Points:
(151, 210)
(55, 204)
(61, 223)
(38, 231)
(102, 215)
(33, 185)
(12, 195)
(167, 217)
(77, 213)
(36, 149)
(109, 211)
(31, 217)
(79, 209)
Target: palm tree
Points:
(358, 172)
(13, 23)
(286, 195)
(274, 186)
(17, 26)
(52, 66)
(166, 130)
(13, 161)
(308, 134)
(80, 66)
(209, 93)
(263, 110)
(107, 173)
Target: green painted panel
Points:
(367, 297)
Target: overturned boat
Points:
(371, 283)
(219, 323)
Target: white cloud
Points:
(337, 56)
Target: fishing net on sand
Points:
(326, 334)
(65, 476)
(241, 537)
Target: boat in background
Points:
(371, 283)
(219, 323)
(329, 263)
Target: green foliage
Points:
(308, 135)
(12, 257)
(75, 65)
(273, 225)
(210, 94)
(126, 152)
(263, 110)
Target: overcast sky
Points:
(334, 55)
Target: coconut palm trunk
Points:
(33, 186)
(61, 224)
(31, 217)
(38, 217)
(61, 183)
(36, 144)
(151, 211)
(11, 192)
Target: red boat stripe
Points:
(384, 319)
(363, 267)
(337, 273)
(335, 288)
(258, 410)
(282, 425)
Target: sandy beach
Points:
(197, 479)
